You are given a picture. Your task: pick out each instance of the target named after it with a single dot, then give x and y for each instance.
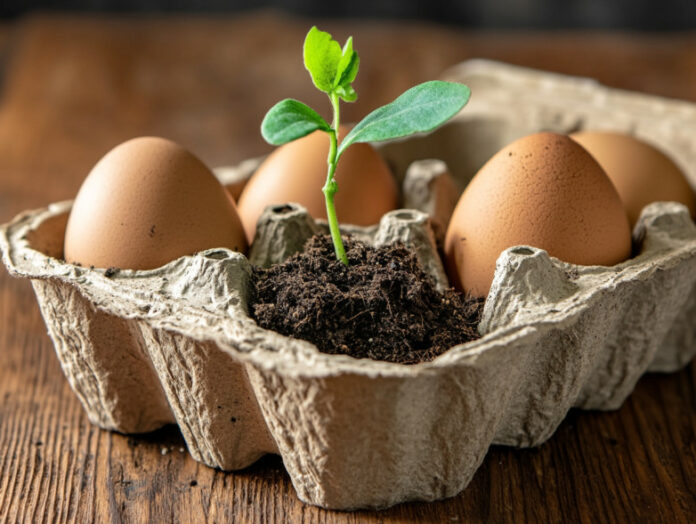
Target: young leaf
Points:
(348, 65)
(289, 120)
(347, 93)
(420, 109)
(322, 55)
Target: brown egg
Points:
(640, 172)
(296, 172)
(147, 202)
(543, 190)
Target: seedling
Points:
(420, 109)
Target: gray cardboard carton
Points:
(176, 344)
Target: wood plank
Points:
(74, 87)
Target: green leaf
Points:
(418, 110)
(346, 93)
(348, 65)
(289, 120)
(322, 55)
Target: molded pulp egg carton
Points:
(175, 344)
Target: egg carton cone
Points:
(176, 344)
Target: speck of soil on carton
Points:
(382, 306)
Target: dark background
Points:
(654, 15)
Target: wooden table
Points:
(74, 87)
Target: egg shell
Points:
(543, 190)
(640, 172)
(296, 172)
(147, 202)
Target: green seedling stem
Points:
(330, 187)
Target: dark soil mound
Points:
(382, 306)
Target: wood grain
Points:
(74, 87)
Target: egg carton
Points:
(176, 345)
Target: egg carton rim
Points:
(300, 358)
(595, 94)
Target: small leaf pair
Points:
(332, 69)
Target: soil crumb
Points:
(382, 306)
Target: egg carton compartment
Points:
(176, 344)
